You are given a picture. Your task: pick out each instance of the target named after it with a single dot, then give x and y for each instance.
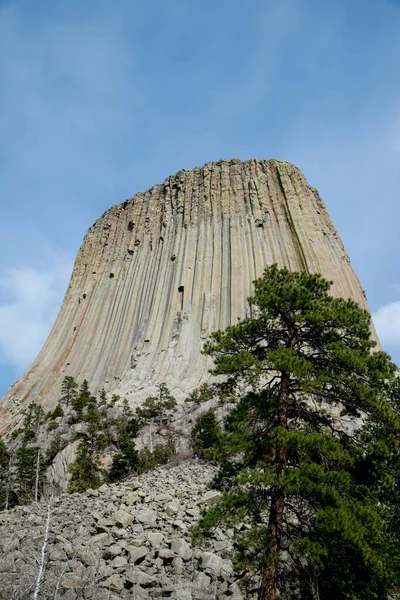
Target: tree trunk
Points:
(269, 577)
(37, 476)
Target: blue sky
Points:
(100, 99)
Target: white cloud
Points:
(29, 301)
(387, 323)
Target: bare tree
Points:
(43, 552)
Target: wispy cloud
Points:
(29, 301)
(387, 323)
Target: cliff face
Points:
(158, 273)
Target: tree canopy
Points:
(309, 453)
(159, 407)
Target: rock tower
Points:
(158, 273)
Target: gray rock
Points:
(162, 498)
(235, 592)
(114, 550)
(99, 538)
(202, 580)
(122, 518)
(146, 517)
(10, 544)
(171, 509)
(136, 554)
(226, 568)
(71, 582)
(155, 538)
(58, 554)
(212, 563)
(178, 565)
(182, 549)
(90, 561)
(210, 498)
(166, 555)
(133, 485)
(115, 582)
(118, 561)
(88, 557)
(139, 577)
(220, 546)
(69, 595)
(131, 498)
(180, 525)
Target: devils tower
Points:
(158, 273)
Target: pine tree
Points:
(299, 466)
(103, 398)
(57, 412)
(205, 433)
(69, 390)
(202, 394)
(81, 399)
(4, 472)
(127, 411)
(33, 418)
(29, 473)
(158, 407)
(126, 459)
(86, 470)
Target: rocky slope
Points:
(130, 540)
(156, 274)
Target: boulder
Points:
(146, 517)
(136, 554)
(139, 577)
(210, 498)
(181, 548)
(212, 563)
(122, 519)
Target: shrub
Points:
(161, 455)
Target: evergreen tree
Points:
(158, 407)
(4, 472)
(103, 398)
(86, 470)
(69, 390)
(164, 452)
(298, 464)
(29, 472)
(205, 433)
(57, 412)
(81, 399)
(202, 394)
(126, 459)
(127, 411)
(33, 418)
